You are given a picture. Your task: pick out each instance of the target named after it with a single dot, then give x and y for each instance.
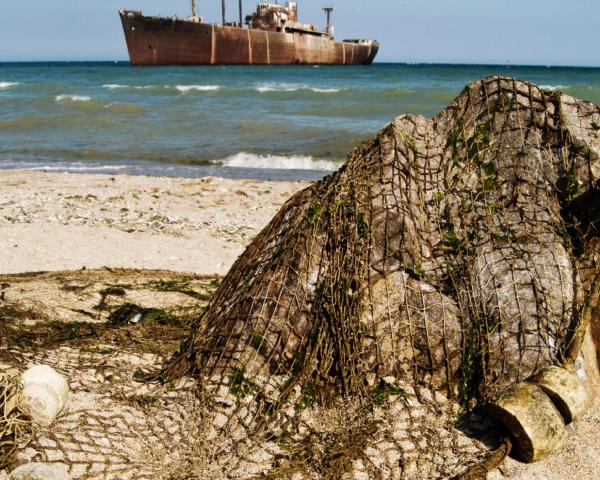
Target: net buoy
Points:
(535, 423)
(565, 390)
(45, 394)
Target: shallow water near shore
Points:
(293, 123)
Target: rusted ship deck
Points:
(273, 37)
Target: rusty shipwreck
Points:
(272, 35)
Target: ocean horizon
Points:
(263, 122)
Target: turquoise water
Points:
(241, 122)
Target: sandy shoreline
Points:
(58, 221)
(61, 221)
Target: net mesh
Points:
(15, 429)
(360, 331)
(446, 255)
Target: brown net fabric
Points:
(15, 430)
(446, 255)
(448, 259)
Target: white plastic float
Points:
(45, 394)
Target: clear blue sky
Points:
(544, 32)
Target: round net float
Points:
(536, 425)
(565, 390)
(45, 394)
(40, 471)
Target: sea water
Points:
(279, 122)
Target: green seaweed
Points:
(241, 387)
(411, 143)
(162, 318)
(308, 398)
(473, 368)
(414, 271)
(385, 390)
(483, 132)
(128, 311)
(568, 185)
(452, 241)
(256, 339)
(315, 212)
(361, 225)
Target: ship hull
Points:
(166, 41)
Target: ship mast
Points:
(193, 8)
(241, 19)
(328, 11)
(223, 11)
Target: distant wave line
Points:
(199, 88)
(4, 85)
(261, 88)
(554, 87)
(59, 167)
(115, 86)
(72, 98)
(291, 87)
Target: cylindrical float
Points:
(535, 423)
(45, 394)
(565, 390)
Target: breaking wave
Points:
(291, 87)
(72, 98)
(4, 85)
(198, 88)
(325, 90)
(179, 88)
(115, 86)
(279, 162)
(554, 87)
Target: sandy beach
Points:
(57, 222)
(62, 221)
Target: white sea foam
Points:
(4, 85)
(75, 167)
(277, 87)
(72, 98)
(199, 88)
(115, 86)
(291, 87)
(325, 90)
(279, 162)
(554, 87)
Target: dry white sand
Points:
(58, 221)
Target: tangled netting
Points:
(359, 332)
(15, 430)
(455, 255)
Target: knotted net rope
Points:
(448, 255)
(15, 428)
(364, 326)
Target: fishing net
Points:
(15, 430)
(447, 256)
(363, 328)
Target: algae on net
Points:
(445, 257)
(359, 332)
